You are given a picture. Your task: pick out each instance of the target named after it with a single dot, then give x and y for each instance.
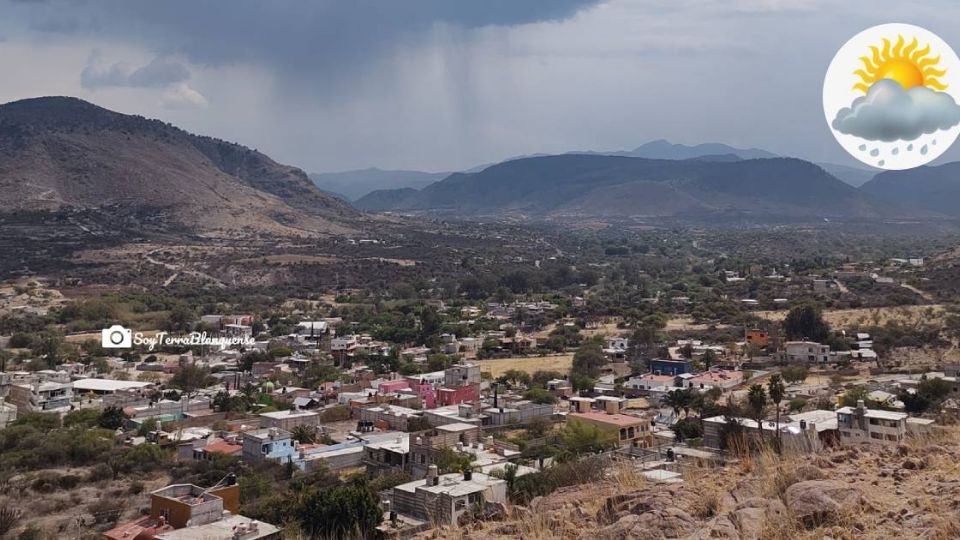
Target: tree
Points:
(304, 434)
(679, 399)
(112, 417)
(794, 374)
(709, 358)
(581, 438)
(190, 378)
(181, 318)
(777, 391)
(541, 377)
(341, 512)
(757, 403)
(514, 377)
(589, 359)
(805, 321)
(539, 396)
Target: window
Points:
(874, 435)
(459, 504)
(891, 437)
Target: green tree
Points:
(540, 396)
(190, 378)
(589, 358)
(805, 321)
(304, 434)
(777, 392)
(582, 438)
(112, 417)
(794, 374)
(757, 404)
(84, 418)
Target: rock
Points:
(751, 516)
(808, 472)
(651, 525)
(903, 450)
(913, 464)
(819, 501)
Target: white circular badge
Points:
(891, 96)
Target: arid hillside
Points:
(58, 152)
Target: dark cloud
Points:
(320, 43)
(159, 73)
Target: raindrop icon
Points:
(923, 150)
(863, 147)
(895, 151)
(875, 152)
(880, 163)
(910, 147)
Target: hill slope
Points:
(935, 189)
(612, 186)
(64, 152)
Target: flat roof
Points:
(108, 385)
(290, 413)
(453, 484)
(875, 413)
(622, 420)
(226, 527)
(457, 426)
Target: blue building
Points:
(268, 444)
(670, 367)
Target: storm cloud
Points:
(889, 113)
(450, 84)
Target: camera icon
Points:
(116, 337)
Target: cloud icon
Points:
(889, 113)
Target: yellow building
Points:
(628, 430)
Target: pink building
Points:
(461, 394)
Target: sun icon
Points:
(907, 65)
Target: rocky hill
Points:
(577, 185)
(58, 152)
(866, 492)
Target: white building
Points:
(860, 425)
(809, 352)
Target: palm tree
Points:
(757, 400)
(676, 400)
(776, 389)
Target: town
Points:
(332, 419)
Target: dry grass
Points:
(531, 364)
(845, 318)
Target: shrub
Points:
(9, 518)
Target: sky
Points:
(442, 85)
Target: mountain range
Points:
(58, 152)
(351, 185)
(594, 185)
(61, 152)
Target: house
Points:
(805, 352)
(217, 448)
(268, 444)
(633, 431)
(289, 419)
(46, 396)
(426, 447)
(560, 387)
(461, 394)
(189, 512)
(389, 416)
(461, 374)
(799, 433)
(758, 338)
(442, 499)
(109, 386)
(387, 455)
(860, 425)
(670, 367)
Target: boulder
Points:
(819, 501)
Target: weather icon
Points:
(890, 96)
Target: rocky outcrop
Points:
(820, 501)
